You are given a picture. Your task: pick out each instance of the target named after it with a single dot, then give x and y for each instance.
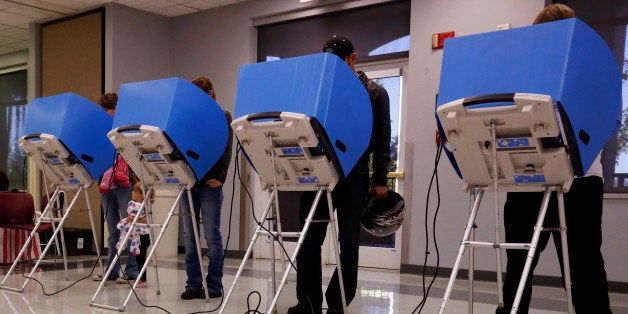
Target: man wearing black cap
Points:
(348, 196)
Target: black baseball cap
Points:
(338, 45)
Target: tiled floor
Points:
(379, 291)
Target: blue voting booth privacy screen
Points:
(188, 116)
(80, 124)
(565, 59)
(319, 85)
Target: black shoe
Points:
(190, 294)
(300, 308)
(334, 311)
(215, 294)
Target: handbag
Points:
(122, 172)
(106, 181)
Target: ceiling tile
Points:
(70, 4)
(31, 13)
(181, 1)
(49, 5)
(15, 32)
(5, 40)
(16, 15)
(177, 10)
(5, 49)
(19, 45)
(13, 19)
(206, 4)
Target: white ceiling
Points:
(15, 15)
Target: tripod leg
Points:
(151, 253)
(28, 241)
(308, 221)
(465, 238)
(273, 279)
(93, 225)
(334, 237)
(115, 259)
(52, 222)
(565, 248)
(498, 251)
(64, 251)
(473, 195)
(59, 228)
(151, 235)
(256, 234)
(532, 250)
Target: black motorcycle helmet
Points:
(382, 217)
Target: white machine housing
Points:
(293, 136)
(524, 163)
(152, 156)
(57, 163)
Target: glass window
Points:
(392, 84)
(377, 32)
(13, 102)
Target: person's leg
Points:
(210, 200)
(309, 271)
(583, 211)
(123, 196)
(348, 199)
(141, 257)
(520, 214)
(109, 205)
(192, 266)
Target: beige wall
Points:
(72, 61)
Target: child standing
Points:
(139, 238)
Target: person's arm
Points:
(224, 161)
(381, 142)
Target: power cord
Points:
(434, 178)
(257, 221)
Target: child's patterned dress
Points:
(125, 227)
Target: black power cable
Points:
(434, 178)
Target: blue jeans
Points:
(114, 204)
(209, 200)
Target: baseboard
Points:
(484, 275)
(228, 253)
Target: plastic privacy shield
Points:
(565, 59)
(189, 117)
(77, 123)
(319, 85)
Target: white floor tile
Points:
(379, 291)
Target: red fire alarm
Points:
(438, 39)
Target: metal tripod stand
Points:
(287, 140)
(518, 147)
(60, 166)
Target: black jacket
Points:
(379, 144)
(219, 170)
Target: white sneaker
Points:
(99, 278)
(125, 279)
